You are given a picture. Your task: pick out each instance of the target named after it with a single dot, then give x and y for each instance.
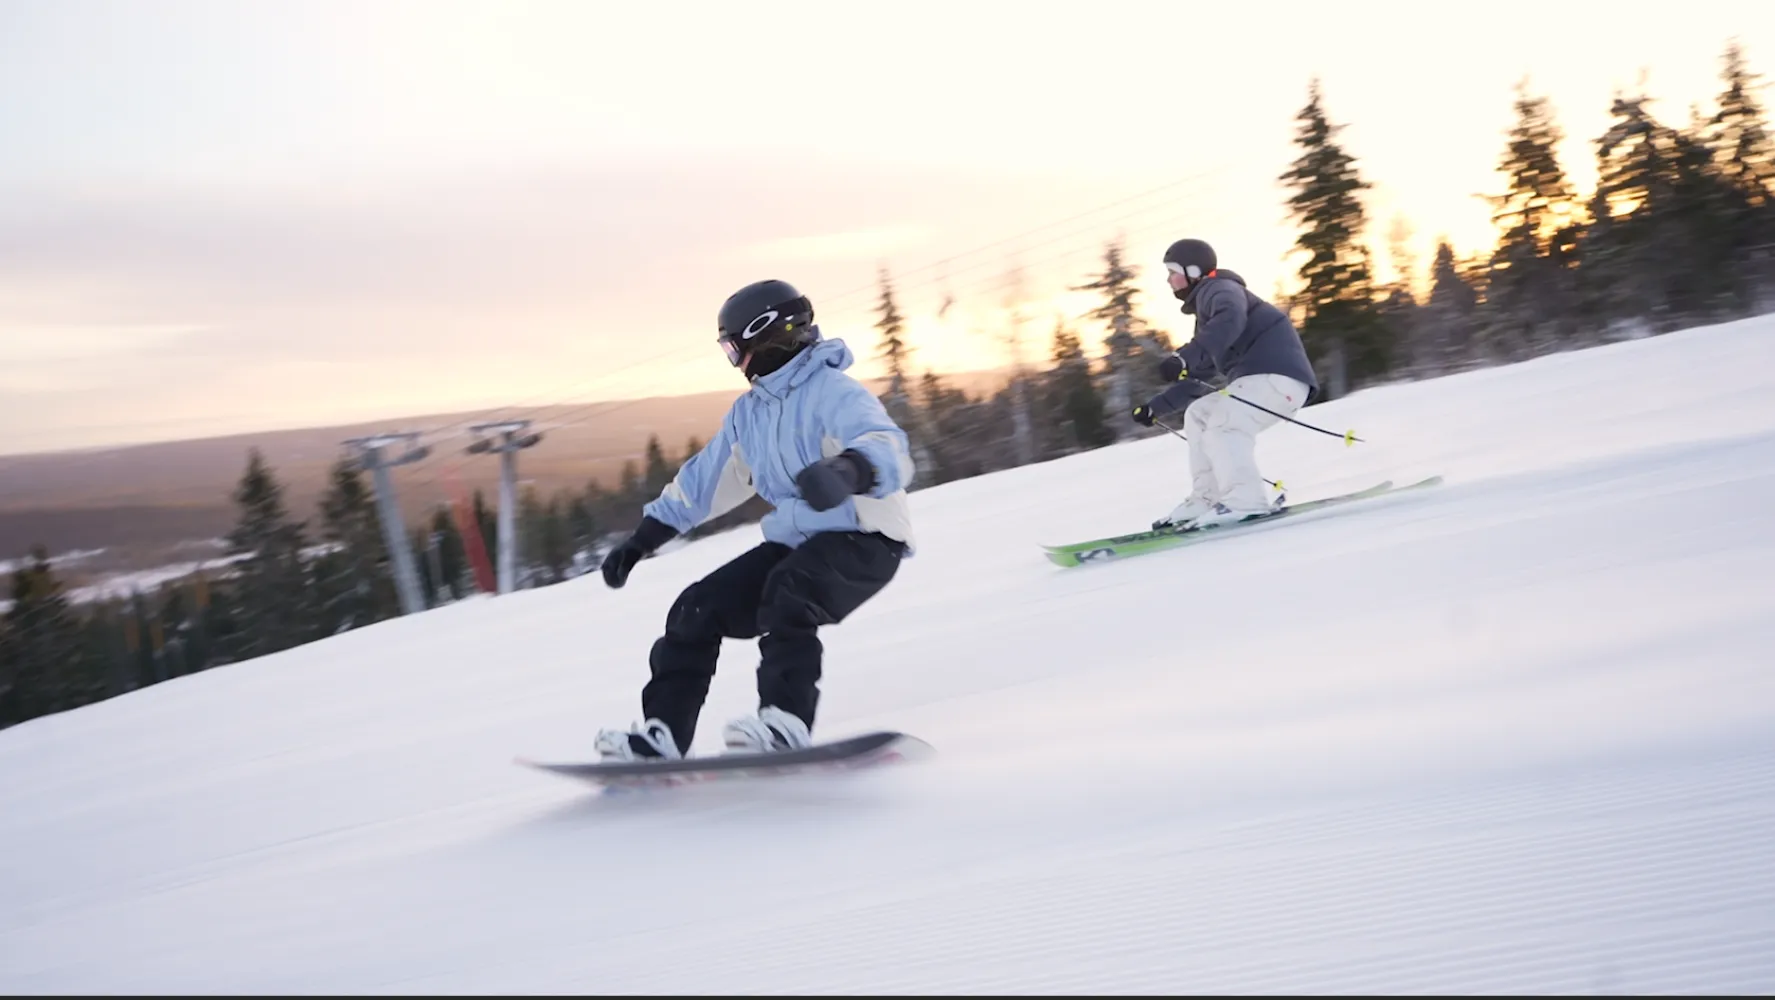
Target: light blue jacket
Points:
(807, 410)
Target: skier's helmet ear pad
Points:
(1191, 258)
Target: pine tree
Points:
(1075, 418)
(1399, 306)
(582, 525)
(1344, 334)
(354, 579)
(892, 327)
(452, 572)
(220, 618)
(532, 532)
(272, 595)
(897, 400)
(658, 472)
(1705, 211)
(147, 641)
(171, 617)
(1638, 252)
(944, 411)
(1530, 289)
(602, 504)
(1738, 133)
(45, 663)
(1131, 348)
(1743, 154)
(970, 432)
(105, 643)
(1449, 323)
(194, 630)
(547, 539)
(632, 488)
(1538, 203)
(1660, 252)
(9, 669)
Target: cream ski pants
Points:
(1222, 435)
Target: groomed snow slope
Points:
(1515, 734)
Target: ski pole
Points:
(1349, 436)
(1185, 440)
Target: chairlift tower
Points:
(394, 530)
(506, 438)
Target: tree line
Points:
(1679, 230)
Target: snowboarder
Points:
(815, 444)
(1242, 347)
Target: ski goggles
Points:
(1192, 272)
(731, 348)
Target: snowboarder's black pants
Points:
(777, 595)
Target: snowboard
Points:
(1162, 539)
(864, 750)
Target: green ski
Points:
(1157, 540)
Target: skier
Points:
(818, 446)
(1245, 347)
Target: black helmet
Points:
(769, 321)
(1190, 258)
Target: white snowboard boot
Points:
(771, 729)
(652, 740)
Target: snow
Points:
(60, 561)
(127, 584)
(120, 585)
(1512, 734)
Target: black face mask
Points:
(769, 358)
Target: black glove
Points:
(649, 536)
(1143, 415)
(826, 484)
(1172, 368)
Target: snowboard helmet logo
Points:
(760, 323)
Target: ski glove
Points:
(1172, 368)
(649, 536)
(1143, 415)
(826, 484)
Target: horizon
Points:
(222, 221)
(402, 422)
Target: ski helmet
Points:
(767, 322)
(1191, 258)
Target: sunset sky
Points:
(229, 216)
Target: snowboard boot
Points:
(771, 729)
(651, 740)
